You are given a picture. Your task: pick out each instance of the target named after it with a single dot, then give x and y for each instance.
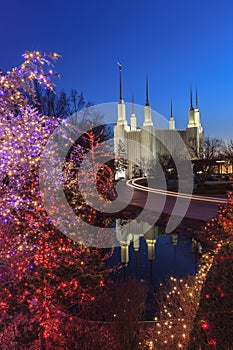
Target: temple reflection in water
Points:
(132, 232)
(155, 254)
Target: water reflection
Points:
(155, 255)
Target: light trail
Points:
(133, 184)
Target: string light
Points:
(180, 300)
(43, 273)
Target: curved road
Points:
(200, 207)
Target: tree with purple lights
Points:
(46, 278)
(24, 132)
(17, 85)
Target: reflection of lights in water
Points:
(153, 255)
(131, 232)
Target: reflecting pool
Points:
(154, 256)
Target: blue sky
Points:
(175, 42)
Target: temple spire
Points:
(198, 114)
(133, 120)
(132, 103)
(172, 120)
(147, 108)
(191, 98)
(192, 113)
(120, 71)
(121, 119)
(196, 98)
(147, 92)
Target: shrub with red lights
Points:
(213, 326)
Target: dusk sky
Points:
(177, 43)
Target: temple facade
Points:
(147, 143)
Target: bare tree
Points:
(77, 101)
(60, 105)
(228, 153)
(205, 161)
(74, 101)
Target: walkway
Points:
(199, 207)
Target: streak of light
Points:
(135, 185)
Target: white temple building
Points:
(131, 142)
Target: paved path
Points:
(193, 207)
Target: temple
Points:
(138, 143)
